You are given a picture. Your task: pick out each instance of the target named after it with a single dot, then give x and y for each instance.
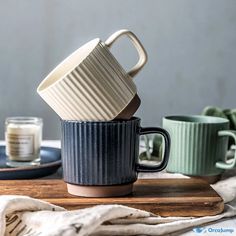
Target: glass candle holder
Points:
(23, 137)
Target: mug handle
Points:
(137, 44)
(232, 162)
(163, 164)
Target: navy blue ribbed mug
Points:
(101, 158)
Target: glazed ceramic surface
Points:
(199, 144)
(105, 153)
(49, 164)
(91, 84)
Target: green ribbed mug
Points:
(199, 145)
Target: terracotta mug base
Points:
(130, 109)
(210, 179)
(100, 191)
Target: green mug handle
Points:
(232, 163)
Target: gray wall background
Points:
(191, 46)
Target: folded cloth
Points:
(21, 215)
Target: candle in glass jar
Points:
(23, 140)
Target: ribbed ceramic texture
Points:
(97, 89)
(100, 153)
(195, 147)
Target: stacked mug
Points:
(96, 99)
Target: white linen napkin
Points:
(21, 215)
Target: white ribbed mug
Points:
(91, 85)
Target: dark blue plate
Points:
(50, 162)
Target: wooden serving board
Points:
(165, 197)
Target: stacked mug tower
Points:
(96, 99)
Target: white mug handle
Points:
(137, 44)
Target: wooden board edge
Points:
(158, 209)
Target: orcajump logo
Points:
(199, 230)
(214, 231)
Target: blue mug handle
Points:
(163, 164)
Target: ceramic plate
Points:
(50, 162)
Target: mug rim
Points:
(196, 119)
(118, 121)
(52, 79)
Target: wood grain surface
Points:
(165, 197)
